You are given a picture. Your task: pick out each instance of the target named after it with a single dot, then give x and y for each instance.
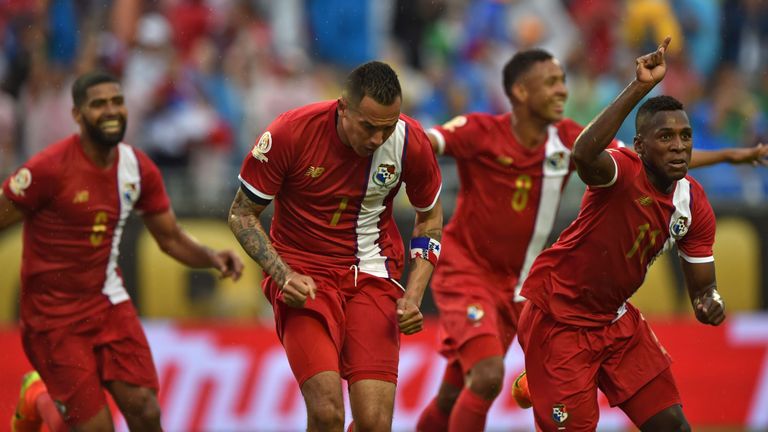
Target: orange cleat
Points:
(27, 418)
(520, 391)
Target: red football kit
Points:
(505, 212)
(73, 300)
(332, 218)
(578, 330)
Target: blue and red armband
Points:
(425, 248)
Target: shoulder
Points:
(55, 156)
(307, 113)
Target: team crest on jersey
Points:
(559, 414)
(557, 161)
(385, 175)
(21, 181)
(679, 227)
(475, 312)
(130, 192)
(262, 147)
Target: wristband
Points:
(425, 248)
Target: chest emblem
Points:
(557, 161)
(314, 171)
(644, 200)
(81, 197)
(130, 192)
(475, 313)
(679, 227)
(262, 147)
(385, 175)
(559, 414)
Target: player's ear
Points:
(519, 91)
(76, 114)
(638, 143)
(342, 106)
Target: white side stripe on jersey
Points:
(255, 191)
(682, 203)
(556, 167)
(387, 158)
(129, 190)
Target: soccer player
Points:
(577, 329)
(512, 169)
(334, 255)
(79, 329)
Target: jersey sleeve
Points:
(696, 246)
(420, 171)
(454, 137)
(32, 185)
(265, 167)
(628, 167)
(153, 199)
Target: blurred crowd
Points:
(203, 78)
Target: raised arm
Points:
(428, 226)
(594, 165)
(245, 224)
(183, 248)
(9, 214)
(757, 155)
(702, 290)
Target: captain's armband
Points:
(425, 248)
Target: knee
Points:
(671, 419)
(486, 378)
(447, 396)
(143, 406)
(327, 414)
(373, 419)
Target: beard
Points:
(105, 139)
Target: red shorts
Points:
(350, 327)
(75, 361)
(566, 365)
(471, 306)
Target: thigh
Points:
(308, 346)
(372, 337)
(68, 367)
(123, 353)
(562, 374)
(653, 399)
(635, 358)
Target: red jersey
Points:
(509, 193)
(74, 217)
(601, 259)
(333, 207)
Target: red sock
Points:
(469, 413)
(432, 419)
(50, 414)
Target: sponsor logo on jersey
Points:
(262, 147)
(557, 161)
(21, 181)
(314, 171)
(81, 197)
(679, 227)
(559, 414)
(385, 175)
(475, 312)
(644, 200)
(505, 160)
(130, 192)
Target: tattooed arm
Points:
(245, 224)
(428, 224)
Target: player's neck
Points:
(101, 156)
(530, 132)
(660, 182)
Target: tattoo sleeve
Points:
(245, 224)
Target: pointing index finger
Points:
(664, 45)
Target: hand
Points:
(409, 317)
(228, 263)
(757, 155)
(651, 67)
(296, 288)
(709, 307)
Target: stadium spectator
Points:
(334, 255)
(79, 329)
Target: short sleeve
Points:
(153, 199)
(265, 167)
(32, 186)
(421, 173)
(454, 137)
(696, 246)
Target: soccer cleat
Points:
(520, 391)
(26, 418)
